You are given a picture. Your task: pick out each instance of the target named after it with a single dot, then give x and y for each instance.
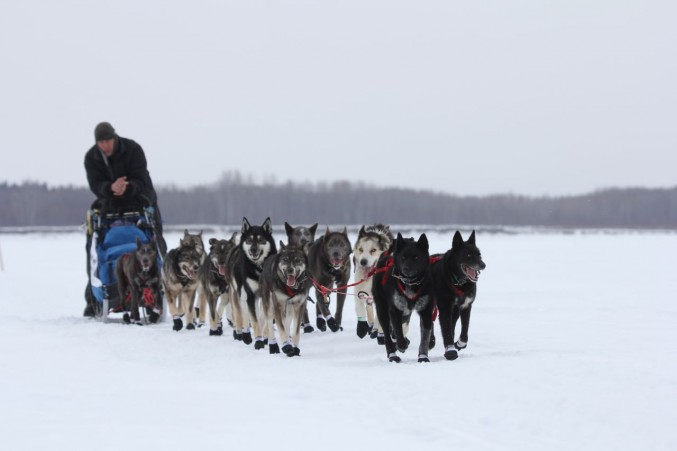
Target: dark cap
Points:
(103, 132)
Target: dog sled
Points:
(110, 237)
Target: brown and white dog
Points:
(372, 242)
(179, 278)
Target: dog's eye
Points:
(360, 250)
(372, 251)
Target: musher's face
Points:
(107, 146)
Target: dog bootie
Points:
(362, 329)
(178, 324)
(321, 324)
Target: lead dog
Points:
(372, 242)
(404, 286)
(284, 293)
(300, 236)
(455, 288)
(138, 280)
(179, 278)
(329, 265)
(214, 280)
(246, 265)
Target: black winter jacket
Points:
(127, 160)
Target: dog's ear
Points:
(399, 242)
(327, 232)
(200, 234)
(423, 242)
(361, 233)
(282, 246)
(139, 243)
(245, 225)
(267, 226)
(185, 233)
(289, 229)
(471, 239)
(457, 241)
(312, 229)
(213, 241)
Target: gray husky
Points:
(329, 265)
(284, 293)
(179, 278)
(138, 280)
(300, 236)
(214, 280)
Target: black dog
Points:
(138, 281)
(402, 284)
(245, 263)
(328, 264)
(455, 287)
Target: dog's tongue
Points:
(336, 262)
(291, 280)
(222, 270)
(472, 273)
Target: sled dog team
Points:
(262, 288)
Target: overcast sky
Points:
(464, 97)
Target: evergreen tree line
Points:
(226, 202)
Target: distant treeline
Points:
(226, 202)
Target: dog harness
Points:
(296, 289)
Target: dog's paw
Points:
(138, 322)
(460, 345)
(362, 329)
(274, 348)
(288, 349)
(333, 325)
(237, 336)
(190, 326)
(307, 328)
(321, 324)
(450, 353)
(217, 332)
(423, 358)
(392, 357)
(260, 344)
(373, 334)
(403, 345)
(126, 318)
(293, 352)
(431, 343)
(381, 339)
(198, 324)
(247, 338)
(153, 317)
(178, 324)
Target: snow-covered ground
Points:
(573, 345)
